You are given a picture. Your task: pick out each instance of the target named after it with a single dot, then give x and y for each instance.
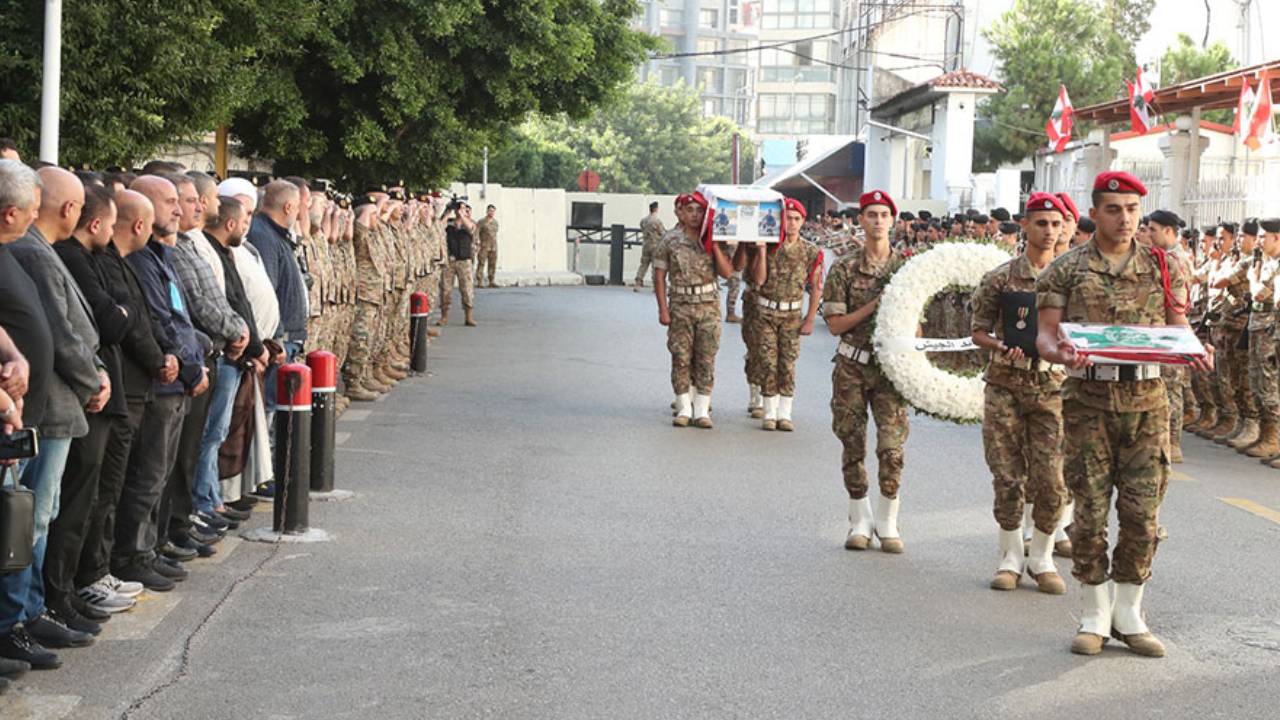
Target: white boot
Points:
(754, 399)
(1010, 568)
(1095, 619)
(702, 411)
(784, 413)
(1128, 625)
(770, 412)
(1040, 564)
(887, 525)
(684, 410)
(1061, 541)
(1028, 523)
(860, 524)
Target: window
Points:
(710, 45)
(807, 60)
(736, 82)
(803, 114)
(671, 17)
(793, 14)
(708, 18)
(711, 79)
(710, 107)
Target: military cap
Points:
(1250, 226)
(1001, 214)
(926, 215)
(362, 200)
(1271, 224)
(1166, 218)
(833, 213)
(1069, 205)
(907, 215)
(1009, 227)
(1045, 202)
(877, 197)
(971, 212)
(1230, 227)
(851, 212)
(1088, 225)
(397, 194)
(1017, 217)
(981, 219)
(1118, 182)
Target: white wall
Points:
(531, 226)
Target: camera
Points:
(456, 202)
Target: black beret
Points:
(833, 213)
(1009, 227)
(362, 200)
(851, 212)
(1271, 224)
(1231, 227)
(1167, 219)
(926, 215)
(1001, 214)
(1190, 233)
(1250, 226)
(981, 219)
(908, 216)
(1087, 225)
(971, 212)
(1017, 217)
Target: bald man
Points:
(79, 384)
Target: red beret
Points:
(1070, 206)
(1045, 202)
(681, 199)
(1118, 182)
(877, 197)
(697, 198)
(789, 204)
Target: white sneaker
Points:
(126, 588)
(105, 600)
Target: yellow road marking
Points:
(1181, 477)
(1250, 506)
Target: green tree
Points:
(1086, 45)
(413, 89)
(1185, 61)
(526, 161)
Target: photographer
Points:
(461, 240)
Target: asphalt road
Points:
(532, 539)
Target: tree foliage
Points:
(1185, 61)
(1040, 45)
(651, 140)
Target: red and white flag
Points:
(1243, 106)
(1060, 122)
(1261, 127)
(1140, 99)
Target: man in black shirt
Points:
(460, 239)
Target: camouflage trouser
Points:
(1175, 382)
(430, 285)
(779, 342)
(363, 336)
(693, 338)
(646, 257)
(1022, 437)
(459, 270)
(751, 338)
(734, 285)
(1233, 376)
(1127, 452)
(1189, 399)
(342, 333)
(487, 255)
(400, 321)
(854, 387)
(1262, 374)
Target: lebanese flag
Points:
(1140, 98)
(1060, 122)
(1242, 108)
(1261, 129)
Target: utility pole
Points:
(51, 82)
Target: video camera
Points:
(456, 202)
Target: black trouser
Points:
(176, 505)
(99, 536)
(69, 528)
(149, 464)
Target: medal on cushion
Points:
(1022, 319)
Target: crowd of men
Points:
(1064, 438)
(143, 319)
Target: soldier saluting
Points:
(1115, 417)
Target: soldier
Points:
(459, 237)
(1115, 417)
(733, 287)
(1233, 376)
(651, 231)
(1009, 232)
(1262, 345)
(852, 293)
(783, 272)
(487, 228)
(692, 261)
(1022, 418)
(1162, 232)
(1207, 313)
(1069, 224)
(356, 371)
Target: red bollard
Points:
(293, 449)
(324, 415)
(419, 312)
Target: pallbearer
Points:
(1022, 423)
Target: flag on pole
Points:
(1261, 130)
(1140, 98)
(1060, 122)
(1243, 105)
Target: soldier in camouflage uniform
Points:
(783, 272)
(733, 287)
(487, 232)
(1215, 410)
(344, 265)
(356, 371)
(1162, 232)
(1234, 374)
(1022, 417)
(1263, 325)
(849, 301)
(1116, 418)
(750, 339)
(691, 262)
(651, 232)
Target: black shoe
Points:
(265, 491)
(51, 633)
(83, 608)
(13, 669)
(171, 569)
(216, 521)
(199, 548)
(246, 502)
(4, 686)
(142, 572)
(75, 621)
(231, 513)
(204, 538)
(173, 552)
(18, 645)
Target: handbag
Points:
(17, 526)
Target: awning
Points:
(1207, 93)
(837, 155)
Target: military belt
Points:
(1117, 373)
(855, 353)
(1026, 363)
(768, 304)
(693, 289)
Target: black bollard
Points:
(419, 311)
(293, 449)
(324, 415)
(617, 250)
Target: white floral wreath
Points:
(901, 354)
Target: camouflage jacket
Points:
(487, 232)
(853, 282)
(368, 273)
(1016, 275)
(651, 229)
(1239, 297)
(790, 265)
(687, 264)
